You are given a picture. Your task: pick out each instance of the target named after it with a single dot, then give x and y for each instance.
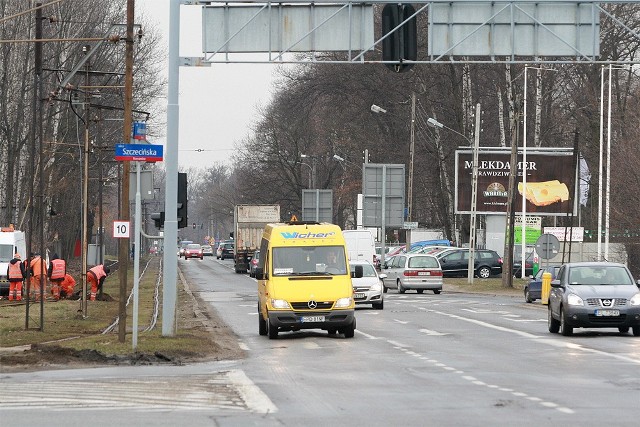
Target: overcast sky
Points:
(218, 104)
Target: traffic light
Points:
(402, 44)
(194, 225)
(158, 219)
(182, 200)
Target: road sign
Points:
(547, 246)
(121, 229)
(139, 152)
(410, 225)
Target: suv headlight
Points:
(635, 300)
(343, 302)
(279, 303)
(573, 299)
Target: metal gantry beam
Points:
(452, 26)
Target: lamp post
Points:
(312, 177)
(523, 241)
(474, 188)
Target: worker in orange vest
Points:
(38, 273)
(16, 274)
(56, 273)
(96, 276)
(67, 286)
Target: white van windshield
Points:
(309, 261)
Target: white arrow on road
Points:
(433, 333)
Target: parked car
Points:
(367, 289)
(533, 289)
(207, 250)
(227, 250)
(253, 264)
(594, 295)
(193, 250)
(455, 262)
(414, 271)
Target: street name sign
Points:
(139, 152)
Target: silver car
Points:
(594, 295)
(414, 271)
(368, 288)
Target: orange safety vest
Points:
(98, 271)
(15, 274)
(37, 266)
(59, 269)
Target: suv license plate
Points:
(311, 319)
(607, 313)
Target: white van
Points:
(11, 242)
(360, 245)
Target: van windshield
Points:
(309, 261)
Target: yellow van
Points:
(304, 280)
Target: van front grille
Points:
(321, 305)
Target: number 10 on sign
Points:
(121, 229)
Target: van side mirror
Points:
(259, 273)
(358, 271)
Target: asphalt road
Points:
(449, 359)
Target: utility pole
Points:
(123, 246)
(507, 267)
(85, 187)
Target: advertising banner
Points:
(549, 190)
(533, 229)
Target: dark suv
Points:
(455, 262)
(227, 250)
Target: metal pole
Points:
(169, 290)
(411, 153)
(608, 186)
(43, 280)
(600, 164)
(523, 220)
(474, 199)
(136, 260)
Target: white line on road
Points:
(433, 333)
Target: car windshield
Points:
(309, 261)
(599, 275)
(367, 270)
(194, 246)
(423, 262)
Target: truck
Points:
(248, 224)
(12, 242)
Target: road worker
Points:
(16, 274)
(96, 276)
(38, 273)
(56, 273)
(67, 286)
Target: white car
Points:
(367, 289)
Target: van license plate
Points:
(607, 313)
(312, 319)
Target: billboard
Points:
(550, 187)
(383, 185)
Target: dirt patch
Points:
(200, 328)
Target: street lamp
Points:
(312, 177)
(523, 226)
(474, 188)
(377, 109)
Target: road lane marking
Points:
(371, 337)
(432, 333)
(402, 322)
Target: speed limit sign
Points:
(121, 229)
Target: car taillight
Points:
(410, 273)
(499, 260)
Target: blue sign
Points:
(139, 152)
(140, 130)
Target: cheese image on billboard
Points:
(545, 193)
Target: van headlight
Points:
(343, 302)
(635, 300)
(573, 299)
(279, 303)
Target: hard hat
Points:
(17, 256)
